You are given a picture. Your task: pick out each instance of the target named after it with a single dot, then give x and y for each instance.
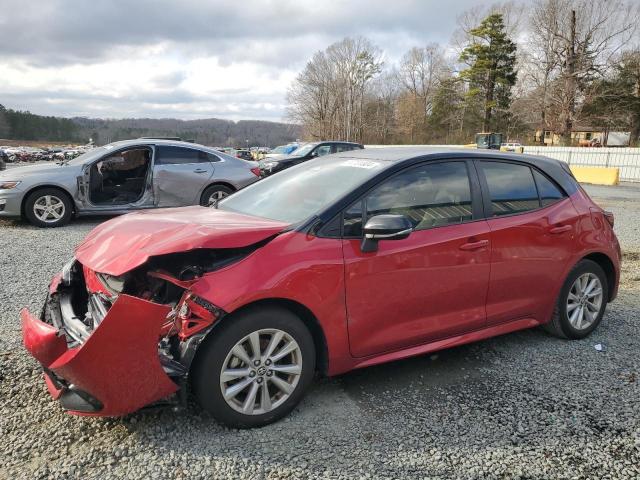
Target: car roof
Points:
(173, 143)
(157, 141)
(557, 170)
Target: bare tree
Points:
(328, 97)
(577, 40)
(380, 109)
(419, 75)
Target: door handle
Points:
(199, 170)
(560, 229)
(474, 245)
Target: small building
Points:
(586, 136)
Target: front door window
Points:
(322, 150)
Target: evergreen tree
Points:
(491, 56)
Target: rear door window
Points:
(343, 147)
(176, 156)
(511, 187)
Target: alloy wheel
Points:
(261, 371)
(215, 197)
(584, 301)
(49, 208)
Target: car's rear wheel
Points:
(582, 302)
(255, 369)
(48, 208)
(213, 194)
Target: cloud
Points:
(189, 58)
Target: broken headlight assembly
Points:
(67, 271)
(194, 314)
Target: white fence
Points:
(626, 159)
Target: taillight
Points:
(609, 216)
(256, 171)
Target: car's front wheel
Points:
(256, 368)
(48, 207)
(581, 303)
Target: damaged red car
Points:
(343, 262)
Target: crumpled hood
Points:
(124, 243)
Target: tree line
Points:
(515, 68)
(20, 125)
(27, 126)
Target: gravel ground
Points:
(524, 405)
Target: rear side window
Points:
(178, 155)
(548, 191)
(429, 196)
(511, 188)
(342, 147)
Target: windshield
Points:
(302, 191)
(303, 150)
(90, 155)
(281, 149)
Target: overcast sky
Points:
(190, 58)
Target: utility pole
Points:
(570, 82)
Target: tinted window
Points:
(511, 187)
(178, 155)
(429, 195)
(548, 191)
(353, 220)
(342, 147)
(323, 150)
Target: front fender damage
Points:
(118, 365)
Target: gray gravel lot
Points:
(524, 405)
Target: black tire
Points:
(560, 326)
(54, 193)
(206, 374)
(214, 189)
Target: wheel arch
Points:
(301, 311)
(607, 265)
(223, 183)
(43, 186)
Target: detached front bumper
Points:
(114, 372)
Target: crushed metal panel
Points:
(119, 364)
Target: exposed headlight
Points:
(9, 185)
(67, 270)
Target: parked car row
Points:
(347, 261)
(139, 174)
(34, 154)
(276, 163)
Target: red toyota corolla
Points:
(339, 263)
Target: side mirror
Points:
(384, 227)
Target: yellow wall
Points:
(597, 175)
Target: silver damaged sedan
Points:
(120, 177)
